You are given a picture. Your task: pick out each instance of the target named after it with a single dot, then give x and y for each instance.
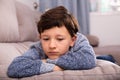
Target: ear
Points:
(73, 40)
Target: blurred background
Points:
(96, 17)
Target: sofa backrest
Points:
(17, 22)
(27, 22)
(8, 21)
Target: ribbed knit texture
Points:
(81, 56)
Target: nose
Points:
(52, 44)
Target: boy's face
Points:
(56, 41)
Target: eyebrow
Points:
(56, 35)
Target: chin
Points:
(53, 57)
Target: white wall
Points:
(107, 27)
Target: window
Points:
(104, 5)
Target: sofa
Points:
(18, 32)
(113, 50)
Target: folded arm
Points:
(80, 57)
(28, 64)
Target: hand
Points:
(57, 68)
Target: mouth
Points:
(53, 53)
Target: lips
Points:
(53, 53)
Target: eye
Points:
(60, 39)
(45, 39)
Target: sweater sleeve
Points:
(81, 56)
(28, 64)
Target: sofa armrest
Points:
(113, 50)
(94, 40)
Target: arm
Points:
(29, 64)
(81, 56)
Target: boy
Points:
(61, 47)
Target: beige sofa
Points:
(113, 50)
(18, 32)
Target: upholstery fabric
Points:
(113, 50)
(8, 21)
(104, 71)
(94, 41)
(27, 23)
(8, 51)
(18, 32)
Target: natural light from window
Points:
(105, 5)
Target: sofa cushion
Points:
(8, 21)
(94, 40)
(27, 22)
(113, 50)
(8, 51)
(104, 71)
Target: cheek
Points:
(68, 43)
(44, 46)
(64, 47)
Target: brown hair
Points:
(57, 17)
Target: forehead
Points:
(56, 31)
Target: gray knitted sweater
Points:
(80, 56)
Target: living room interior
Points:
(99, 23)
(102, 17)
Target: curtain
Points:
(79, 8)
